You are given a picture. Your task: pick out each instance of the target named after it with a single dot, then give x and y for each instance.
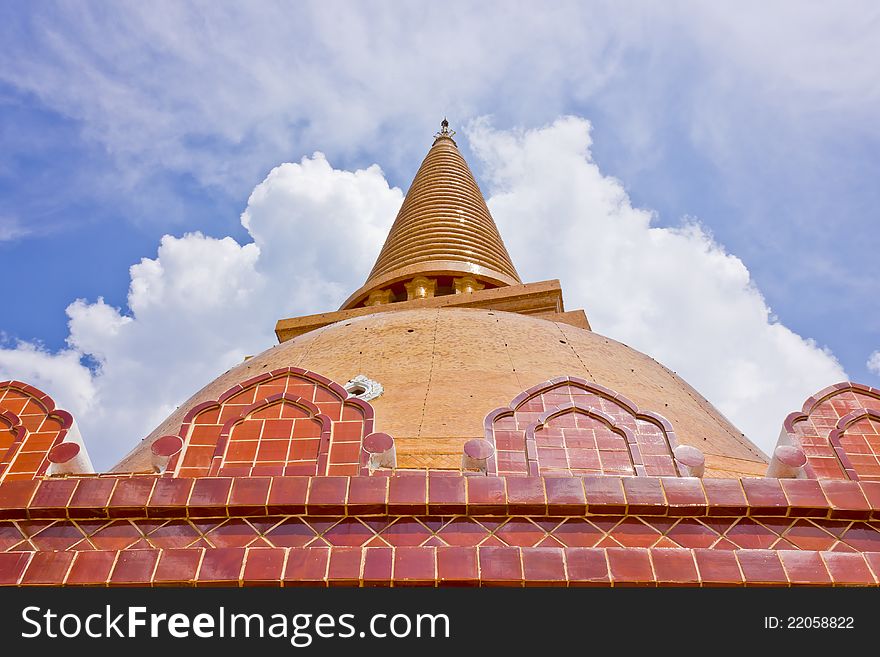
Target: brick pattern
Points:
(285, 422)
(30, 426)
(439, 566)
(839, 430)
(282, 531)
(422, 494)
(568, 426)
(422, 529)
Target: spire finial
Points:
(444, 130)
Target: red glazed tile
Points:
(327, 495)
(59, 536)
(249, 496)
(177, 567)
(52, 498)
(631, 532)
(718, 567)
(406, 532)
(306, 567)
(674, 566)
(807, 536)
(463, 531)
(525, 495)
(804, 567)
(500, 566)
(604, 494)
(565, 496)
(543, 567)
(173, 534)
(415, 566)
(344, 568)
(871, 490)
(116, 535)
(684, 496)
(169, 498)
(520, 532)
(630, 567)
(457, 566)
(348, 532)
(805, 497)
(15, 497)
(447, 495)
(12, 565)
(586, 567)
(9, 535)
(765, 497)
(761, 567)
(48, 568)
(130, 496)
(209, 497)
(748, 533)
(292, 532)
(577, 532)
(486, 496)
(848, 568)
(691, 533)
(873, 559)
(377, 566)
(725, 497)
(235, 532)
(263, 567)
(368, 495)
(221, 566)
(287, 495)
(644, 495)
(846, 498)
(91, 498)
(134, 567)
(408, 494)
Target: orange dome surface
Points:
(443, 370)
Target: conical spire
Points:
(443, 239)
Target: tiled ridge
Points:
(432, 566)
(433, 494)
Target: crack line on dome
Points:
(574, 351)
(430, 371)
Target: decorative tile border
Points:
(421, 493)
(440, 566)
(568, 425)
(821, 423)
(34, 434)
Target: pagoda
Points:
(448, 425)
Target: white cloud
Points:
(204, 303)
(61, 372)
(11, 229)
(672, 293)
(169, 85)
(873, 363)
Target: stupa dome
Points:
(444, 369)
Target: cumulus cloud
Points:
(673, 293)
(873, 363)
(171, 84)
(204, 303)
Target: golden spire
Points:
(443, 234)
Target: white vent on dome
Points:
(364, 388)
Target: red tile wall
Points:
(29, 427)
(572, 427)
(836, 448)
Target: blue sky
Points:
(124, 122)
